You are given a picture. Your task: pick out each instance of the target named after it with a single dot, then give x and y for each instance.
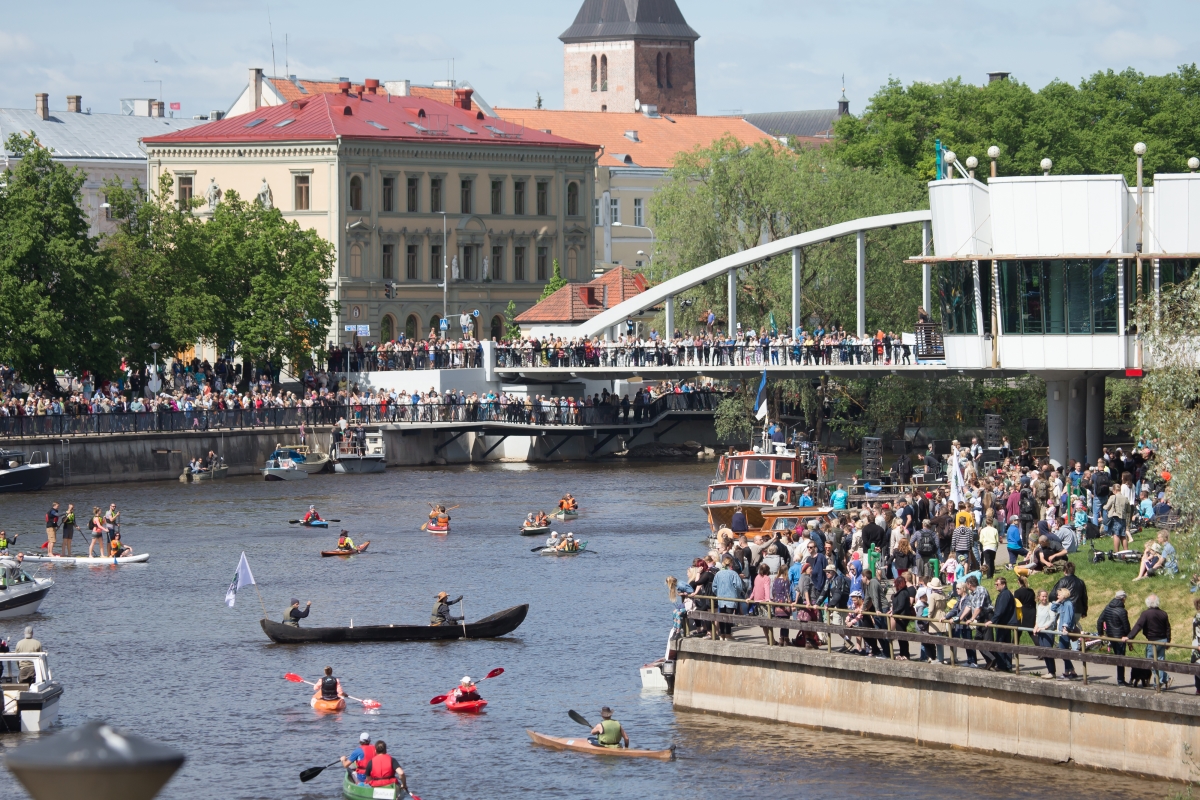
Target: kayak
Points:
(437, 528)
(527, 531)
(563, 514)
(328, 706)
(358, 791)
(359, 549)
(83, 560)
(469, 707)
(582, 745)
(316, 523)
(551, 551)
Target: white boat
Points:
(304, 459)
(282, 469)
(654, 674)
(349, 457)
(28, 706)
(70, 561)
(20, 592)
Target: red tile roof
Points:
(579, 302)
(288, 90)
(380, 117)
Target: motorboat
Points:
(29, 706)
(658, 674)
(20, 593)
(359, 456)
(750, 479)
(304, 459)
(21, 474)
(282, 469)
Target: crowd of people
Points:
(928, 559)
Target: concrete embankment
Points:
(1107, 728)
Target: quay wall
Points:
(1106, 728)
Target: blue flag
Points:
(761, 386)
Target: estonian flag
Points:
(243, 577)
(760, 402)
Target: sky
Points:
(753, 56)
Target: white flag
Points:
(243, 577)
(762, 410)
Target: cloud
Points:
(1120, 42)
(15, 46)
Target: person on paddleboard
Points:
(360, 757)
(609, 732)
(345, 542)
(465, 692)
(312, 515)
(329, 687)
(441, 610)
(293, 615)
(117, 548)
(385, 770)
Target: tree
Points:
(556, 282)
(511, 329)
(57, 308)
(732, 419)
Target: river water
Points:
(153, 648)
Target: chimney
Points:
(344, 87)
(255, 88)
(42, 104)
(216, 114)
(156, 108)
(75, 103)
(397, 88)
(462, 98)
(372, 85)
(997, 76)
(357, 89)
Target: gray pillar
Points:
(1056, 419)
(795, 290)
(1076, 416)
(669, 332)
(1095, 417)
(926, 268)
(732, 278)
(861, 283)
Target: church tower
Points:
(622, 52)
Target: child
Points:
(950, 570)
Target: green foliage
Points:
(511, 329)
(556, 282)
(1088, 129)
(57, 305)
(733, 420)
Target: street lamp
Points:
(445, 279)
(643, 254)
(154, 382)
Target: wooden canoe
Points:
(527, 531)
(359, 549)
(582, 745)
(499, 624)
(562, 514)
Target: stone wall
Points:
(679, 97)
(1123, 730)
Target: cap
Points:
(440, 595)
(606, 712)
(1120, 595)
(466, 679)
(295, 601)
(856, 594)
(830, 568)
(364, 737)
(935, 583)
(29, 630)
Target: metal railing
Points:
(717, 354)
(930, 344)
(420, 356)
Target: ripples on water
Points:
(152, 648)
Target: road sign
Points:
(444, 325)
(364, 330)
(351, 328)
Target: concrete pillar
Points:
(1056, 419)
(861, 283)
(926, 268)
(670, 308)
(1095, 417)
(795, 290)
(732, 278)
(1076, 417)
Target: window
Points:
(107, 207)
(435, 262)
(498, 327)
(497, 197)
(639, 218)
(387, 328)
(466, 196)
(410, 263)
(758, 469)
(596, 211)
(572, 262)
(389, 262)
(543, 264)
(614, 210)
(468, 263)
(185, 191)
(497, 265)
(355, 262)
(572, 199)
(414, 203)
(658, 70)
(669, 71)
(604, 73)
(388, 201)
(412, 327)
(356, 203)
(303, 187)
(518, 197)
(518, 263)
(435, 195)
(543, 205)
(435, 323)
(594, 81)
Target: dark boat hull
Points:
(25, 478)
(498, 624)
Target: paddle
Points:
(313, 772)
(575, 715)
(441, 698)
(426, 524)
(294, 678)
(300, 521)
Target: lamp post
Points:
(445, 279)
(154, 383)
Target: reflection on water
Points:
(153, 648)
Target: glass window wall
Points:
(1055, 296)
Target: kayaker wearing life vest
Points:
(568, 503)
(329, 687)
(293, 615)
(385, 770)
(5, 541)
(360, 757)
(117, 548)
(439, 517)
(345, 542)
(441, 610)
(609, 732)
(312, 515)
(465, 692)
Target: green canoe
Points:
(358, 791)
(564, 515)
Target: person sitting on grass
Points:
(1159, 556)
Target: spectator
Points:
(1066, 624)
(1076, 587)
(1158, 557)
(1196, 639)
(1156, 626)
(1004, 613)
(1113, 622)
(1044, 627)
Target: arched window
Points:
(387, 328)
(668, 70)
(658, 69)
(572, 199)
(356, 194)
(498, 327)
(355, 262)
(572, 263)
(412, 327)
(435, 323)
(604, 73)
(594, 82)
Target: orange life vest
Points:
(382, 773)
(364, 763)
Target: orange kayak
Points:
(328, 706)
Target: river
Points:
(152, 648)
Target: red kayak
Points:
(468, 707)
(438, 528)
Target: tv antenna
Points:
(271, 30)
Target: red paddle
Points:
(294, 678)
(441, 698)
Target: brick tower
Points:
(619, 52)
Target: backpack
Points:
(1027, 507)
(1103, 484)
(926, 545)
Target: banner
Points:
(243, 577)
(758, 398)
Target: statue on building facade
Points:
(264, 195)
(487, 275)
(454, 268)
(213, 194)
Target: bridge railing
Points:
(930, 345)
(678, 354)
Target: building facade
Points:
(408, 190)
(619, 56)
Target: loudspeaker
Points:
(992, 430)
(872, 458)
